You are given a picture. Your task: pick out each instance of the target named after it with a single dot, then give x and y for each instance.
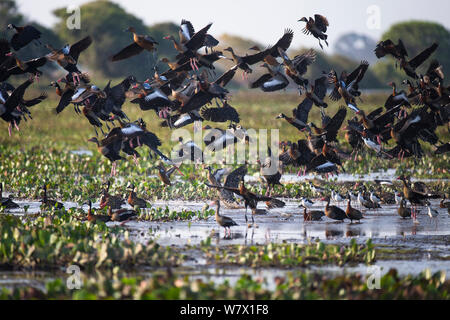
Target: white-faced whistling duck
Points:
(134, 200)
(334, 212)
(352, 213)
(98, 217)
(47, 203)
(140, 43)
(7, 203)
(23, 36)
(223, 221)
(317, 27)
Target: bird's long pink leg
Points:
(135, 159)
(15, 125)
(9, 129)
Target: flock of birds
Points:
(185, 92)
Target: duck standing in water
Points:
(223, 221)
(334, 212)
(352, 213)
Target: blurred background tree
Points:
(417, 36)
(106, 21)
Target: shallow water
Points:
(428, 241)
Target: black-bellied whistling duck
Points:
(121, 215)
(317, 27)
(410, 66)
(415, 197)
(403, 211)
(6, 202)
(223, 221)
(334, 212)
(134, 200)
(141, 43)
(251, 199)
(68, 56)
(297, 67)
(312, 215)
(352, 213)
(47, 203)
(109, 200)
(24, 35)
(97, 217)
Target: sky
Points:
(265, 20)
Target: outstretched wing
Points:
(321, 22)
(424, 55)
(359, 73)
(302, 111)
(335, 124)
(79, 47)
(127, 52)
(284, 43)
(221, 114)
